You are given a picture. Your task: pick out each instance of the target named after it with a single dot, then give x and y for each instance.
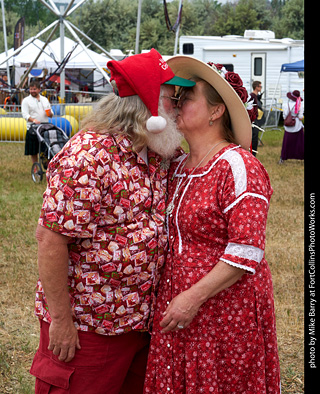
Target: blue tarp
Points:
(293, 67)
(35, 72)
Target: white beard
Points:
(166, 142)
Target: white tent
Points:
(78, 58)
(26, 55)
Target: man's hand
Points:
(63, 339)
(33, 120)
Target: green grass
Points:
(20, 203)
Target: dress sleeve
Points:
(78, 178)
(245, 200)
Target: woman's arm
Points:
(183, 308)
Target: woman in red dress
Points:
(214, 328)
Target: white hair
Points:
(166, 142)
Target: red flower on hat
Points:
(236, 83)
(234, 79)
(242, 93)
(218, 65)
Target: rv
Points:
(256, 55)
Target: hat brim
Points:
(178, 81)
(189, 67)
(292, 97)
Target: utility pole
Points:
(5, 42)
(138, 28)
(177, 32)
(63, 73)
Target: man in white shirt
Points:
(35, 109)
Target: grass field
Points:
(20, 202)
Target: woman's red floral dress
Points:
(231, 345)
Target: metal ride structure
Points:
(176, 27)
(61, 22)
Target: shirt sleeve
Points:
(255, 108)
(25, 110)
(77, 177)
(46, 102)
(245, 200)
(301, 112)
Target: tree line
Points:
(112, 23)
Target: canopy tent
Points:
(297, 66)
(56, 78)
(50, 57)
(78, 58)
(293, 67)
(26, 55)
(61, 14)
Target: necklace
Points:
(179, 186)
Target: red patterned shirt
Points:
(111, 204)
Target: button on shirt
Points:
(112, 204)
(34, 108)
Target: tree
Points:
(32, 10)
(199, 16)
(11, 20)
(112, 23)
(290, 23)
(235, 18)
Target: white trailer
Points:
(255, 56)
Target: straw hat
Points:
(189, 67)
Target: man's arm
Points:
(53, 271)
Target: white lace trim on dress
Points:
(251, 270)
(243, 196)
(239, 171)
(248, 252)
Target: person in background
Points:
(214, 327)
(256, 91)
(101, 235)
(35, 109)
(293, 139)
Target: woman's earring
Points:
(211, 120)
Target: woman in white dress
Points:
(293, 139)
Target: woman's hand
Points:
(180, 312)
(183, 308)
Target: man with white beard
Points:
(167, 141)
(101, 235)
